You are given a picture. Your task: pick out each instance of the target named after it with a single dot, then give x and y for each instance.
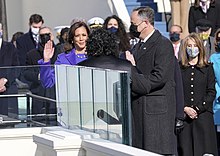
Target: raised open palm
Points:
(48, 51)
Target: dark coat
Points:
(31, 74)
(210, 47)
(198, 136)
(25, 43)
(107, 62)
(153, 103)
(196, 13)
(179, 91)
(9, 57)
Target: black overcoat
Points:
(196, 13)
(31, 74)
(153, 101)
(9, 58)
(198, 136)
(25, 43)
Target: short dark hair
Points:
(36, 18)
(101, 42)
(146, 13)
(16, 35)
(176, 25)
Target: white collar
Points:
(0, 43)
(148, 36)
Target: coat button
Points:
(191, 79)
(192, 67)
(191, 86)
(192, 99)
(203, 103)
(192, 93)
(192, 73)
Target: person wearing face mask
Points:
(32, 75)
(203, 28)
(204, 9)
(214, 58)
(29, 40)
(179, 14)
(115, 25)
(175, 37)
(152, 86)
(74, 53)
(198, 136)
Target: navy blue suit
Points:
(25, 43)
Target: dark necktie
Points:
(137, 50)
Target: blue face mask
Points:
(112, 29)
(174, 37)
(192, 52)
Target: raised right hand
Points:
(48, 51)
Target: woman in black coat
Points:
(198, 136)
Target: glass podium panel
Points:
(25, 102)
(93, 99)
(74, 97)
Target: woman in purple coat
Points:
(74, 53)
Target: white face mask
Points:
(204, 5)
(35, 30)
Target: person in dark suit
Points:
(204, 9)
(198, 136)
(203, 29)
(32, 74)
(29, 40)
(8, 57)
(153, 86)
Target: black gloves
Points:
(179, 125)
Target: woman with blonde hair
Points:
(198, 136)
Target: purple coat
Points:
(47, 74)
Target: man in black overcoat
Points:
(8, 74)
(153, 86)
(29, 40)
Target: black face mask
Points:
(174, 37)
(133, 30)
(44, 38)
